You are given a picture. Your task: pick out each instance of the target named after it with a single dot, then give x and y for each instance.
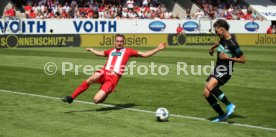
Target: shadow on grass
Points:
(115, 107)
(229, 119)
(237, 116)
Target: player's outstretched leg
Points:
(82, 87)
(211, 86)
(100, 97)
(67, 99)
(214, 104)
(230, 107)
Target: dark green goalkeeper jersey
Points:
(232, 49)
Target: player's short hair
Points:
(221, 23)
(120, 35)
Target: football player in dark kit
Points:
(228, 52)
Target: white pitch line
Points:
(138, 110)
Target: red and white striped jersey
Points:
(118, 58)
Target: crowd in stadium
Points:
(227, 9)
(108, 9)
(131, 9)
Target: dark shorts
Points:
(222, 78)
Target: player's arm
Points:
(238, 54)
(211, 50)
(96, 52)
(153, 51)
(240, 59)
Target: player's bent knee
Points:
(206, 92)
(97, 100)
(100, 97)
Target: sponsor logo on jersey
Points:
(116, 53)
(225, 50)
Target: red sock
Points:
(82, 87)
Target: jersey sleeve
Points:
(133, 53)
(107, 52)
(235, 48)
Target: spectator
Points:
(131, 14)
(248, 15)
(73, 4)
(205, 6)
(64, 14)
(130, 4)
(199, 14)
(188, 13)
(153, 14)
(49, 3)
(179, 29)
(152, 8)
(50, 14)
(27, 8)
(154, 2)
(269, 30)
(255, 16)
(66, 7)
(32, 15)
(41, 2)
(239, 14)
(10, 12)
(274, 29)
(229, 16)
(90, 14)
(145, 3)
(125, 13)
(168, 15)
(163, 8)
(212, 13)
(96, 15)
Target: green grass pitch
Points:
(252, 88)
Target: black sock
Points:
(213, 102)
(220, 95)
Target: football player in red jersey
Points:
(112, 71)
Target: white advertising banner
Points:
(248, 26)
(268, 12)
(91, 26)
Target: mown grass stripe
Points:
(139, 110)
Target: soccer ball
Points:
(162, 114)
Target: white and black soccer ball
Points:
(162, 114)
